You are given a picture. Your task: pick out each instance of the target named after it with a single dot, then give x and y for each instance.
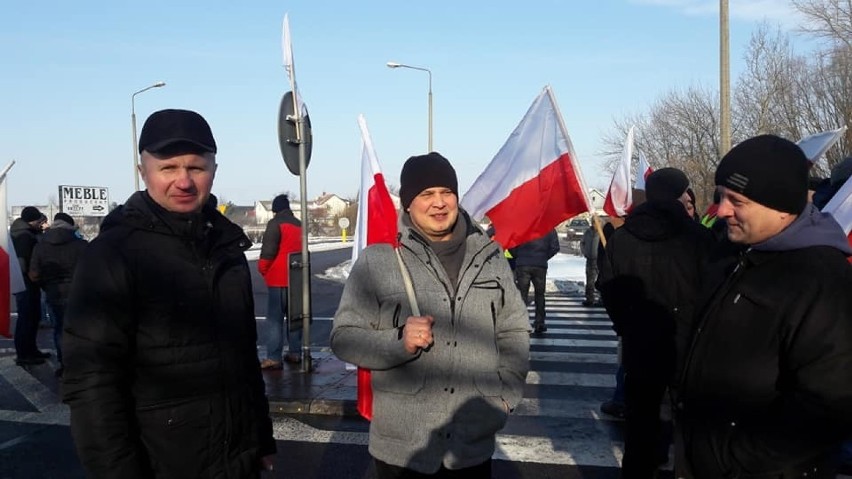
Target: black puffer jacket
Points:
(54, 259)
(24, 239)
(161, 368)
(767, 390)
(650, 283)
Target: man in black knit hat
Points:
(444, 380)
(25, 232)
(766, 389)
(649, 287)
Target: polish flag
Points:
(534, 182)
(840, 206)
(619, 197)
(814, 146)
(289, 65)
(643, 172)
(11, 278)
(376, 223)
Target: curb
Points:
(326, 407)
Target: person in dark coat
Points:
(52, 267)
(161, 370)
(25, 232)
(531, 266)
(649, 287)
(766, 389)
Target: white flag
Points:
(289, 65)
(642, 172)
(817, 144)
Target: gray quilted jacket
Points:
(443, 405)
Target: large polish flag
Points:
(814, 146)
(11, 278)
(642, 173)
(376, 223)
(619, 197)
(533, 182)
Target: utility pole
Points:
(724, 80)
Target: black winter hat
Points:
(30, 213)
(769, 170)
(64, 217)
(665, 184)
(425, 171)
(280, 203)
(176, 128)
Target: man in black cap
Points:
(444, 380)
(283, 236)
(25, 232)
(649, 287)
(161, 368)
(767, 389)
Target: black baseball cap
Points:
(171, 129)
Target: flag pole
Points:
(595, 220)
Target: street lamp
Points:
(401, 65)
(133, 125)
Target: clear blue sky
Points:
(69, 69)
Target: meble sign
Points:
(84, 200)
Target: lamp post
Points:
(133, 126)
(401, 65)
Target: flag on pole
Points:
(533, 182)
(643, 172)
(376, 223)
(840, 206)
(817, 144)
(619, 197)
(289, 65)
(11, 278)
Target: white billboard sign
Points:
(84, 200)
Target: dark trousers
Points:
(644, 446)
(538, 276)
(28, 304)
(57, 313)
(387, 471)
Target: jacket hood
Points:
(657, 220)
(143, 213)
(59, 232)
(811, 228)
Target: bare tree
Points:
(827, 19)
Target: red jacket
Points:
(283, 236)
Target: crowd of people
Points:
(742, 324)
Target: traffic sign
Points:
(287, 135)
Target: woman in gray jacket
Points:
(443, 381)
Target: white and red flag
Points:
(376, 223)
(11, 278)
(840, 206)
(289, 65)
(534, 182)
(642, 173)
(619, 197)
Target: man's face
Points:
(750, 222)
(179, 183)
(434, 212)
(688, 204)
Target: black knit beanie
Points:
(280, 203)
(64, 217)
(769, 170)
(30, 214)
(425, 171)
(665, 184)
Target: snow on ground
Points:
(254, 252)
